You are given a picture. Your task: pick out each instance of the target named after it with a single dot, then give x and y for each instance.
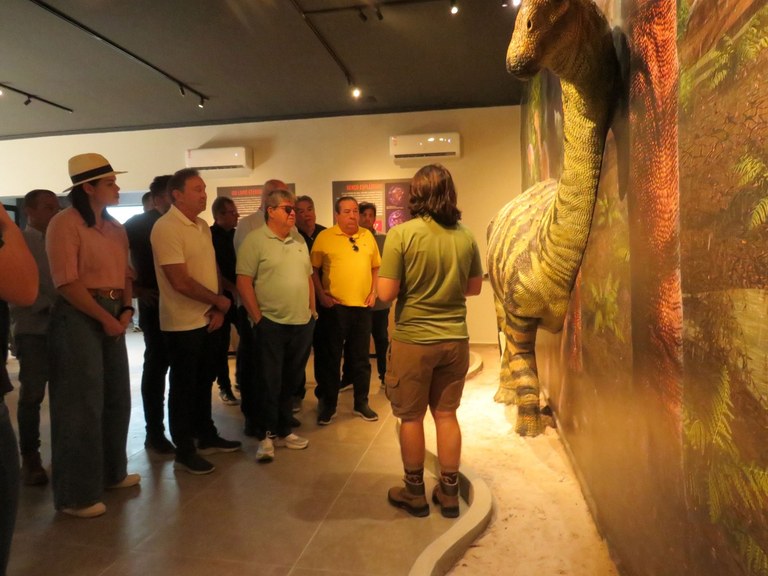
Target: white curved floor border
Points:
(443, 553)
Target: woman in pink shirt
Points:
(90, 385)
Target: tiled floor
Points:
(318, 511)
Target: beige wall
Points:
(310, 153)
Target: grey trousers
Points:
(32, 352)
(90, 406)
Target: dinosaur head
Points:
(544, 33)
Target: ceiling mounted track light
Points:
(454, 7)
(182, 86)
(30, 97)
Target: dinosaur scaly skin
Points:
(536, 242)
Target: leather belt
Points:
(109, 293)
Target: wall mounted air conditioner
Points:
(425, 147)
(236, 158)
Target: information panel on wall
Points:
(246, 198)
(389, 196)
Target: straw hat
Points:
(87, 167)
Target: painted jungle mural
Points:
(659, 377)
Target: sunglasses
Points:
(355, 247)
(288, 209)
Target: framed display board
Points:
(389, 196)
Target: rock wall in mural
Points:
(673, 456)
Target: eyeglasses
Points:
(288, 209)
(352, 241)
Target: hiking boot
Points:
(365, 412)
(217, 444)
(228, 398)
(447, 497)
(266, 451)
(292, 441)
(32, 471)
(194, 464)
(410, 498)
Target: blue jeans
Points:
(192, 354)
(9, 484)
(32, 352)
(282, 351)
(90, 405)
(155, 368)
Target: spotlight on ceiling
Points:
(378, 13)
(201, 104)
(362, 15)
(356, 92)
(28, 101)
(516, 3)
(504, 3)
(454, 7)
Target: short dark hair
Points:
(337, 204)
(179, 179)
(433, 194)
(159, 185)
(272, 200)
(31, 197)
(221, 204)
(367, 206)
(305, 198)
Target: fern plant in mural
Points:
(753, 172)
(719, 480)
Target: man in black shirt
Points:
(139, 228)
(225, 218)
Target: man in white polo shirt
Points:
(274, 280)
(192, 309)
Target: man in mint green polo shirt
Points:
(274, 280)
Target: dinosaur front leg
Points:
(519, 380)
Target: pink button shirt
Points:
(97, 256)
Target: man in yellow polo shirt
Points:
(349, 260)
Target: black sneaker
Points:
(295, 422)
(365, 412)
(194, 464)
(159, 445)
(217, 444)
(325, 415)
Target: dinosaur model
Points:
(536, 242)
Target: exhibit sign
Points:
(246, 198)
(389, 196)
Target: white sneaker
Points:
(292, 441)
(265, 451)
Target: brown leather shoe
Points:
(447, 497)
(32, 471)
(410, 498)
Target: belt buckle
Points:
(111, 294)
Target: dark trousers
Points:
(155, 369)
(379, 331)
(246, 367)
(9, 483)
(222, 357)
(192, 356)
(32, 352)
(340, 325)
(282, 352)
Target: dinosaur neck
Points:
(588, 90)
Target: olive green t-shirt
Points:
(433, 264)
